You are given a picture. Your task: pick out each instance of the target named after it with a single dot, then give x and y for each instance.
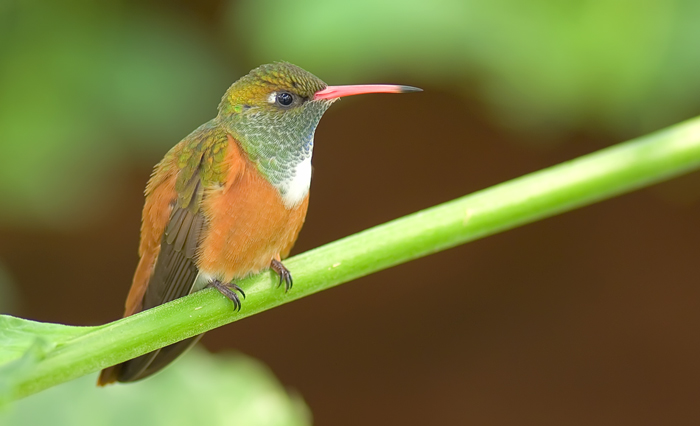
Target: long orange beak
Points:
(334, 92)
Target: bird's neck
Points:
(281, 147)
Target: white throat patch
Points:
(295, 188)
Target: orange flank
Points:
(160, 194)
(249, 224)
(247, 221)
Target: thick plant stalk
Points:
(601, 175)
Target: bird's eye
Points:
(285, 98)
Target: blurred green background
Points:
(227, 389)
(585, 318)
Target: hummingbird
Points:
(229, 200)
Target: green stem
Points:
(604, 174)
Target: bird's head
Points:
(273, 112)
(275, 89)
(282, 91)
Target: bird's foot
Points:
(229, 290)
(284, 274)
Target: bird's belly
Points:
(248, 226)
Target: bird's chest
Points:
(249, 223)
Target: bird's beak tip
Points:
(410, 89)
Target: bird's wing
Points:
(173, 221)
(167, 269)
(175, 269)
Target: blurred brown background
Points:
(590, 317)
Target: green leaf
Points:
(24, 343)
(200, 388)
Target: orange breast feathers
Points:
(248, 224)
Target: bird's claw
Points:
(229, 290)
(283, 273)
